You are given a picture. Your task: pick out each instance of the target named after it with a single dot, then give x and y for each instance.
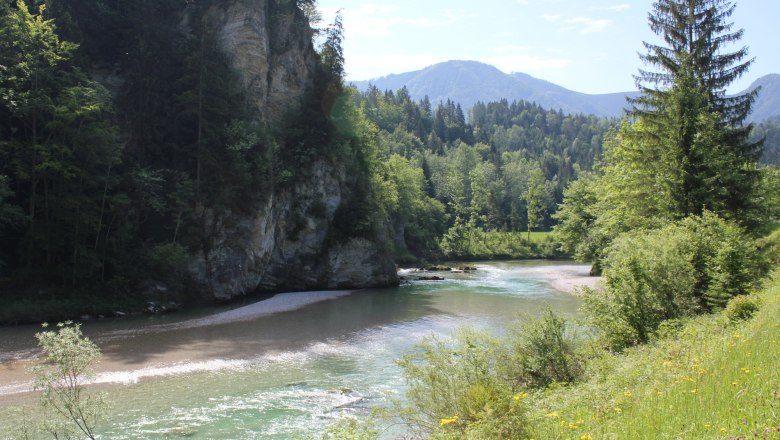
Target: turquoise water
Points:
(294, 372)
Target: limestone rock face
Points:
(270, 46)
(283, 244)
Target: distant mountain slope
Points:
(767, 106)
(468, 82)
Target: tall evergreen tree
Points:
(693, 71)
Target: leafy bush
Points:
(542, 353)
(682, 269)
(649, 279)
(68, 410)
(741, 308)
(724, 258)
(455, 390)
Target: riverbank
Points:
(712, 378)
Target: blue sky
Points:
(587, 46)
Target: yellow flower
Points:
(693, 391)
(520, 396)
(453, 419)
(585, 437)
(551, 415)
(627, 393)
(618, 410)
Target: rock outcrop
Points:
(285, 242)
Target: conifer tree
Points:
(693, 71)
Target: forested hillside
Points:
(469, 82)
(147, 154)
(503, 171)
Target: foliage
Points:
(741, 308)
(455, 390)
(672, 272)
(68, 409)
(698, 127)
(543, 352)
(476, 386)
(507, 166)
(710, 379)
(349, 428)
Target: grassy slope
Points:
(711, 380)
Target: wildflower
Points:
(453, 419)
(585, 437)
(618, 410)
(520, 396)
(551, 415)
(627, 393)
(694, 391)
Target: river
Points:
(285, 366)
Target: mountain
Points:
(767, 106)
(468, 82)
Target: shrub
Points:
(649, 279)
(724, 259)
(682, 269)
(741, 308)
(68, 410)
(542, 353)
(455, 390)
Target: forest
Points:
(125, 132)
(112, 160)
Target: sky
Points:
(589, 46)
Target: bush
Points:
(68, 410)
(455, 390)
(724, 259)
(542, 353)
(741, 308)
(682, 269)
(649, 279)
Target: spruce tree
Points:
(693, 70)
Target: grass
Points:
(489, 245)
(712, 379)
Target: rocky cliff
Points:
(285, 243)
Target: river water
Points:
(286, 366)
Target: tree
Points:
(537, 196)
(332, 53)
(69, 361)
(694, 70)
(60, 150)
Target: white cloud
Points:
(618, 8)
(585, 25)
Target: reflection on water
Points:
(276, 375)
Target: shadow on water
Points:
(286, 331)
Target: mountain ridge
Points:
(469, 82)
